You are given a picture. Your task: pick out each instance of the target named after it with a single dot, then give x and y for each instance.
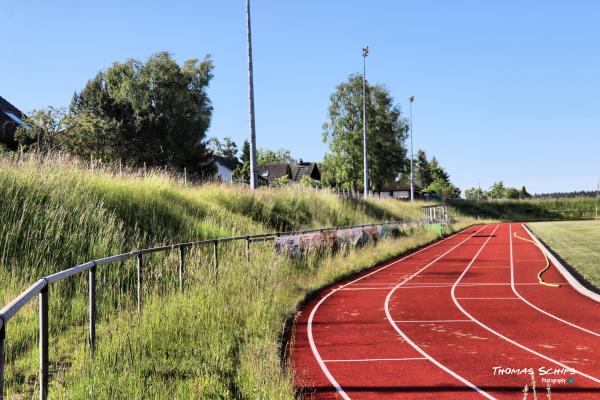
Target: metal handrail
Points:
(40, 288)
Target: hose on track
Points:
(546, 268)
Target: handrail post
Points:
(181, 266)
(43, 331)
(2, 337)
(248, 249)
(92, 308)
(216, 258)
(139, 283)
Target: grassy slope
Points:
(577, 242)
(529, 210)
(218, 340)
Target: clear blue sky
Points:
(504, 90)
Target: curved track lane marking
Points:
(311, 340)
(413, 344)
(514, 289)
(509, 340)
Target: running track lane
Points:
(454, 314)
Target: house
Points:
(272, 172)
(225, 167)
(10, 118)
(309, 169)
(395, 190)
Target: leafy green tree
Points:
(511, 193)
(386, 132)
(475, 194)
(155, 112)
(266, 156)
(497, 190)
(42, 130)
(226, 148)
(443, 188)
(423, 173)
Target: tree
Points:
(443, 188)
(475, 194)
(423, 174)
(155, 112)
(386, 132)
(42, 129)
(437, 172)
(266, 156)
(524, 194)
(227, 148)
(511, 193)
(242, 172)
(497, 190)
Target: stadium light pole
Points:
(365, 53)
(412, 178)
(253, 169)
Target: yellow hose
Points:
(546, 268)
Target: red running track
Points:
(463, 318)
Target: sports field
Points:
(463, 318)
(577, 242)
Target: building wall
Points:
(225, 173)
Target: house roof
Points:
(303, 169)
(229, 163)
(273, 171)
(6, 109)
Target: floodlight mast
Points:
(411, 99)
(365, 53)
(253, 166)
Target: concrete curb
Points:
(573, 281)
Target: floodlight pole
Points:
(365, 53)
(412, 178)
(253, 173)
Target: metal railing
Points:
(41, 287)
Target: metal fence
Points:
(40, 288)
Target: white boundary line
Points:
(512, 284)
(377, 359)
(453, 294)
(432, 321)
(311, 340)
(413, 344)
(563, 271)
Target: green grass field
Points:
(577, 242)
(217, 340)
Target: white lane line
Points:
(514, 289)
(377, 359)
(311, 340)
(433, 321)
(487, 298)
(509, 340)
(413, 344)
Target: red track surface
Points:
(435, 324)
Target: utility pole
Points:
(479, 193)
(412, 178)
(253, 172)
(365, 53)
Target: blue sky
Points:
(504, 90)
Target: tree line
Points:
(157, 112)
(497, 191)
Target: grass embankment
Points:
(217, 340)
(528, 210)
(576, 242)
